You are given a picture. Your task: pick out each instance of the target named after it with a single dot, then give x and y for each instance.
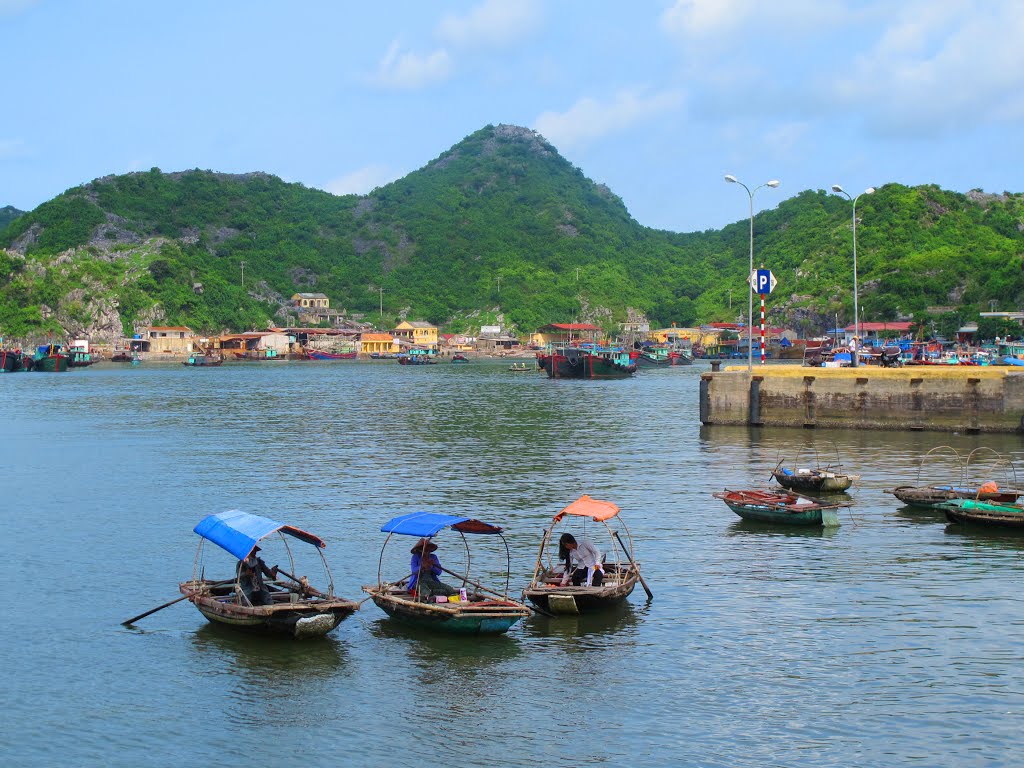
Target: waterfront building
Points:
(417, 332)
(378, 343)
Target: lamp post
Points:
(750, 308)
(856, 318)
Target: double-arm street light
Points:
(750, 310)
(856, 317)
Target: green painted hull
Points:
(51, 364)
(971, 512)
(780, 517)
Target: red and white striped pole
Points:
(762, 329)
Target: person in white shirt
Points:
(582, 562)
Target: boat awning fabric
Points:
(429, 523)
(238, 532)
(595, 509)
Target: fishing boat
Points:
(416, 357)
(458, 357)
(820, 478)
(11, 360)
(296, 609)
(931, 496)
(587, 361)
(50, 358)
(653, 356)
(521, 367)
(681, 357)
(550, 588)
(79, 355)
(318, 354)
(974, 512)
(122, 356)
(204, 361)
(475, 610)
(782, 507)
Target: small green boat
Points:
(781, 507)
(473, 610)
(973, 512)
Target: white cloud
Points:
(361, 181)
(493, 22)
(703, 19)
(939, 67)
(589, 118)
(409, 70)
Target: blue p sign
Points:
(764, 281)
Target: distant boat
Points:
(416, 357)
(203, 361)
(587, 361)
(316, 354)
(458, 357)
(78, 355)
(521, 367)
(781, 507)
(11, 360)
(50, 358)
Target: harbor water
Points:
(892, 640)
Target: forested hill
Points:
(500, 226)
(8, 214)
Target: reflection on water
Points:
(895, 631)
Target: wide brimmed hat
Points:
(423, 545)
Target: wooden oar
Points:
(177, 600)
(478, 585)
(650, 595)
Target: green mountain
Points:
(500, 226)
(8, 214)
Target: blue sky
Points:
(658, 99)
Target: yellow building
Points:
(378, 343)
(311, 301)
(420, 333)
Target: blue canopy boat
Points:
(295, 609)
(475, 610)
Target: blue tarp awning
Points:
(429, 523)
(238, 532)
(420, 523)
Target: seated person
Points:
(582, 561)
(250, 574)
(426, 571)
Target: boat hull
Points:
(781, 508)
(969, 512)
(10, 361)
(479, 618)
(814, 482)
(583, 365)
(573, 600)
(299, 620)
(316, 355)
(53, 364)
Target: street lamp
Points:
(856, 318)
(750, 311)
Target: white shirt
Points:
(586, 555)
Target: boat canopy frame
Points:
(597, 510)
(238, 534)
(426, 525)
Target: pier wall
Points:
(953, 399)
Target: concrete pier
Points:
(947, 399)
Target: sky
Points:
(657, 99)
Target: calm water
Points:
(891, 640)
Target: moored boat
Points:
(204, 361)
(289, 608)
(974, 512)
(781, 507)
(818, 477)
(416, 357)
(79, 355)
(11, 360)
(474, 610)
(587, 362)
(318, 354)
(50, 358)
(458, 357)
(551, 587)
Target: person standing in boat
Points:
(582, 562)
(426, 571)
(250, 577)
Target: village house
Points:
(456, 342)
(493, 340)
(378, 344)
(263, 344)
(314, 308)
(417, 332)
(177, 340)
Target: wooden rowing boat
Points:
(620, 572)
(294, 609)
(973, 512)
(781, 507)
(476, 610)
